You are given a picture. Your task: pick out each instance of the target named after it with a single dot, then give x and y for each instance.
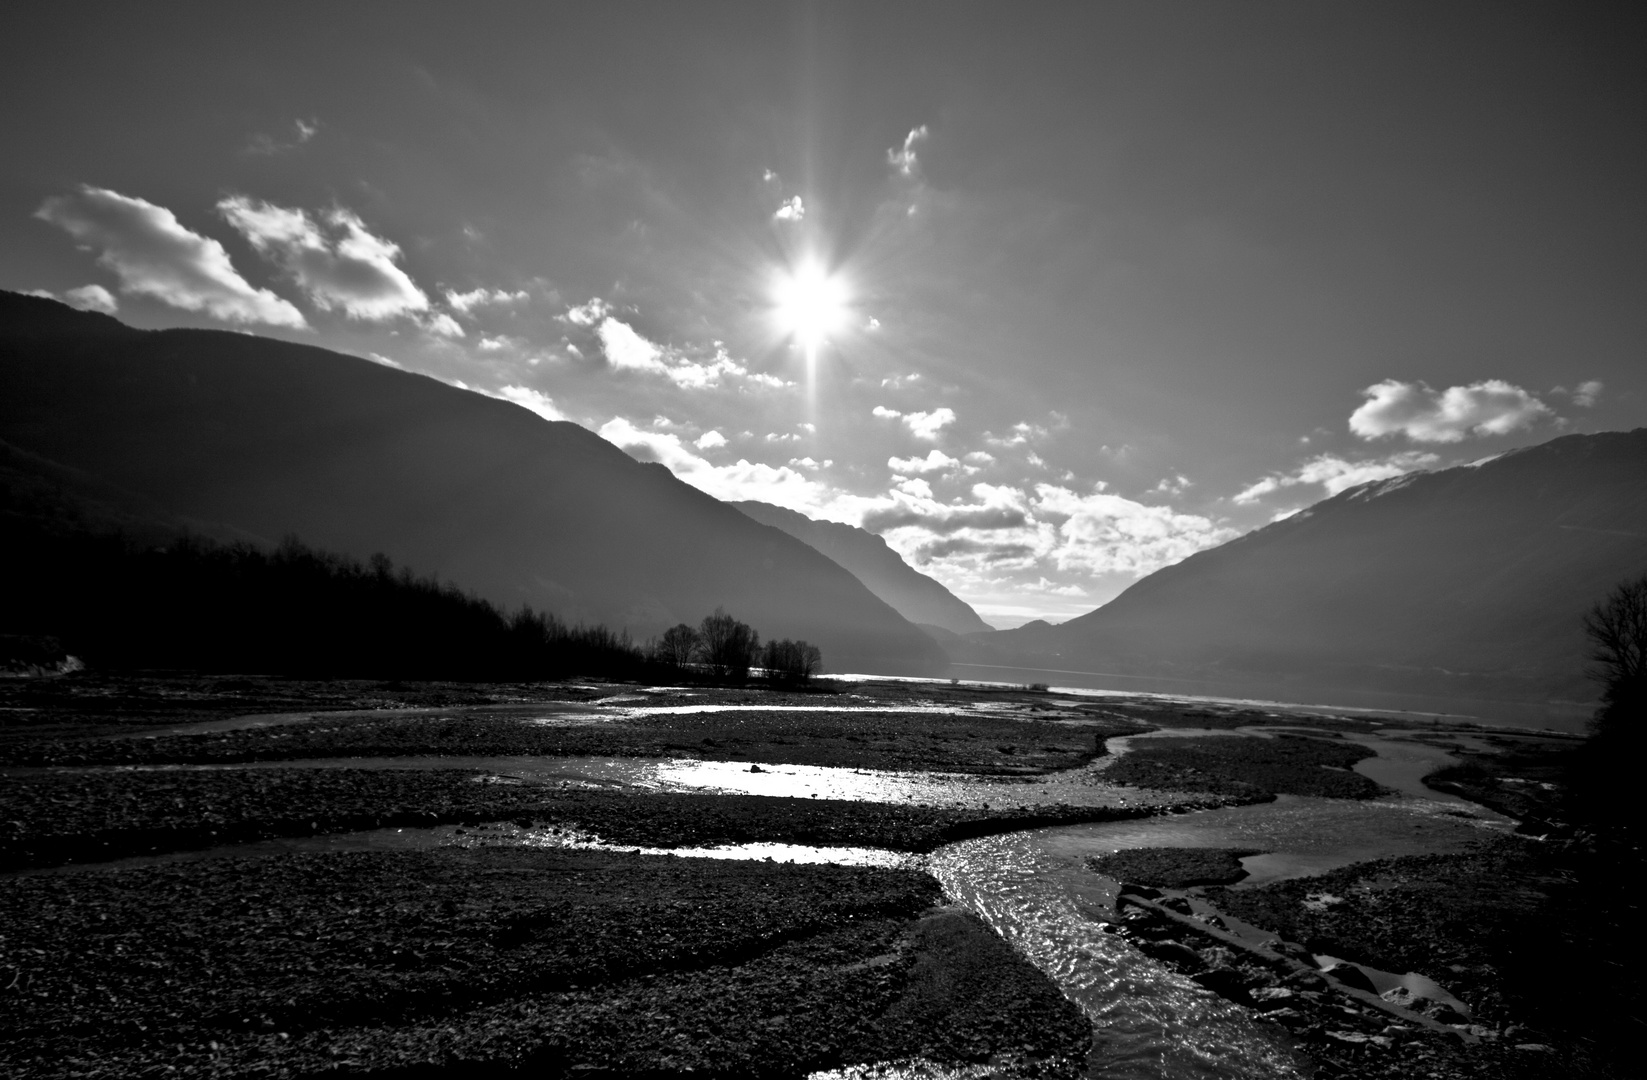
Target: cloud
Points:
(1490, 407)
(444, 325)
(269, 145)
(1173, 485)
(1585, 396)
(1022, 433)
(85, 298)
(1049, 528)
(495, 344)
(903, 160)
(780, 485)
(1107, 533)
(535, 400)
(941, 519)
(154, 255)
(379, 358)
(924, 425)
(587, 314)
(1336, 474)
(935, 461)
(627, 350)
(465, 302)
(792, 209)
(334, 259)
(709, 440)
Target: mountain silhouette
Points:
(239, 436)
(1466, 582)
(919, 598)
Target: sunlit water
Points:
(1032, 887)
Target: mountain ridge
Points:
(918, 597)
(268, 438)
(1466, 581)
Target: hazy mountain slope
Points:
(1469, 581)
(268, 438)
(914, 595)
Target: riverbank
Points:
(436, 868)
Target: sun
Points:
(811, 305)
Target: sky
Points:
(1047, 295)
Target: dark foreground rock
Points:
(442, 963)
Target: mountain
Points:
(914, 595)
(1467, 582)
(240, 436)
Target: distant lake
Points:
(1561, 716)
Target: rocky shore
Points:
(474, 952)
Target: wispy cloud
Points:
(1489, 407)
(903, 159)
(535, 400)
(154, 255)
(626, 349)
(264, 145)
(743, 479)
(334, 258)
(443, 325)
(85, 298)
(935, 461)
(1336, 474)
(923, 425)
(1007, 529)
(465, 302)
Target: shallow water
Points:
(1148, 1021)
(1032, 887)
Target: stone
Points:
(1170, 952)
(1351, 976)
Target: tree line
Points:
(727, 650)
(197, 604)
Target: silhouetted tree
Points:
(1617, 629)
(678, 647)
(791, 661)
(730, 648)
(192, 603)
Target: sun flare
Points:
(811, 305)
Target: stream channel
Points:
(1033, 887)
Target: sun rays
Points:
(810, 304)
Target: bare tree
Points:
(791, 661)
(679, 646)
(1617, 629)
(730, 647)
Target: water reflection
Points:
(1148, 1021)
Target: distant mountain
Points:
(914, 595)
(240, 436)
(1467, 582)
